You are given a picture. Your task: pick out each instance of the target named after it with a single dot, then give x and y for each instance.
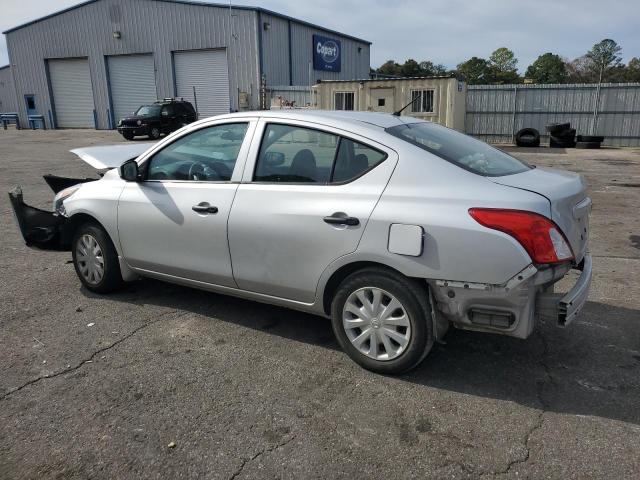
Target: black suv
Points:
(152, 120)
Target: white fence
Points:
(496, 112)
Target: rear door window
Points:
(354, 159)
(292, 154)
(459, 149)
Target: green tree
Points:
(605, 59)
(390, 67)
(547, 68)
(428, 68)
(475, 71)
(410, 68)
(632, 73)
(503, 66)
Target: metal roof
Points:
(393, 79)
(202, 4)
(4, 66)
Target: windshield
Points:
(148, 110)
(460, 149)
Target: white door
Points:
(133, 83)
(174, 221)
(72, 92)
(205, 72)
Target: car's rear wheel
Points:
(154, 133)
(382, 320)
(95, 259)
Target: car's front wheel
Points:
(95, 259)
(382, 320)
(127, 135)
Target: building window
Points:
(344, 100)
(381, 102)
(425, 102)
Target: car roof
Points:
(167, 102)
(333, 117)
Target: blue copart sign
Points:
(326, 54)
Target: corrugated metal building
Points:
(7, 92)
(437, 99)
(90, 64)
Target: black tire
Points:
(561, 143)
(591, 138)
(415, 302)
(567, 135)
(128, 136)
(528, 137)
(154, 133)
(588, 145)
(557, 127)
(112, 278)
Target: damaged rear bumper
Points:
(39, 228)
(564, 308)
(513, 308)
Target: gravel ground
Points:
(170, 382)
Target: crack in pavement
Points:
(92, 356)
(543, 409)
(259, 454)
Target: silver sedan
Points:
(393, 227)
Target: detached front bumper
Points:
(39, 228)
(564, 308)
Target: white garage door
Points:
(72, 92)
(207, 72)
(133, 83)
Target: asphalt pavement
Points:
(162, 381)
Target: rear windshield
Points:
(460, 149)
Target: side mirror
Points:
(129, 171)
(273, 159)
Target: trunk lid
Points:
(567, 195)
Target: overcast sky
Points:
(443, 31)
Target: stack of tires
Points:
(561, 135)
(528, 137)
(589, 141)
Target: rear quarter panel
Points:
(430, 192)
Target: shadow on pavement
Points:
(590, 368)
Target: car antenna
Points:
(397, 114)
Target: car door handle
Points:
(340, 218)
(204, 207)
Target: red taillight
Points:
(541, 238)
